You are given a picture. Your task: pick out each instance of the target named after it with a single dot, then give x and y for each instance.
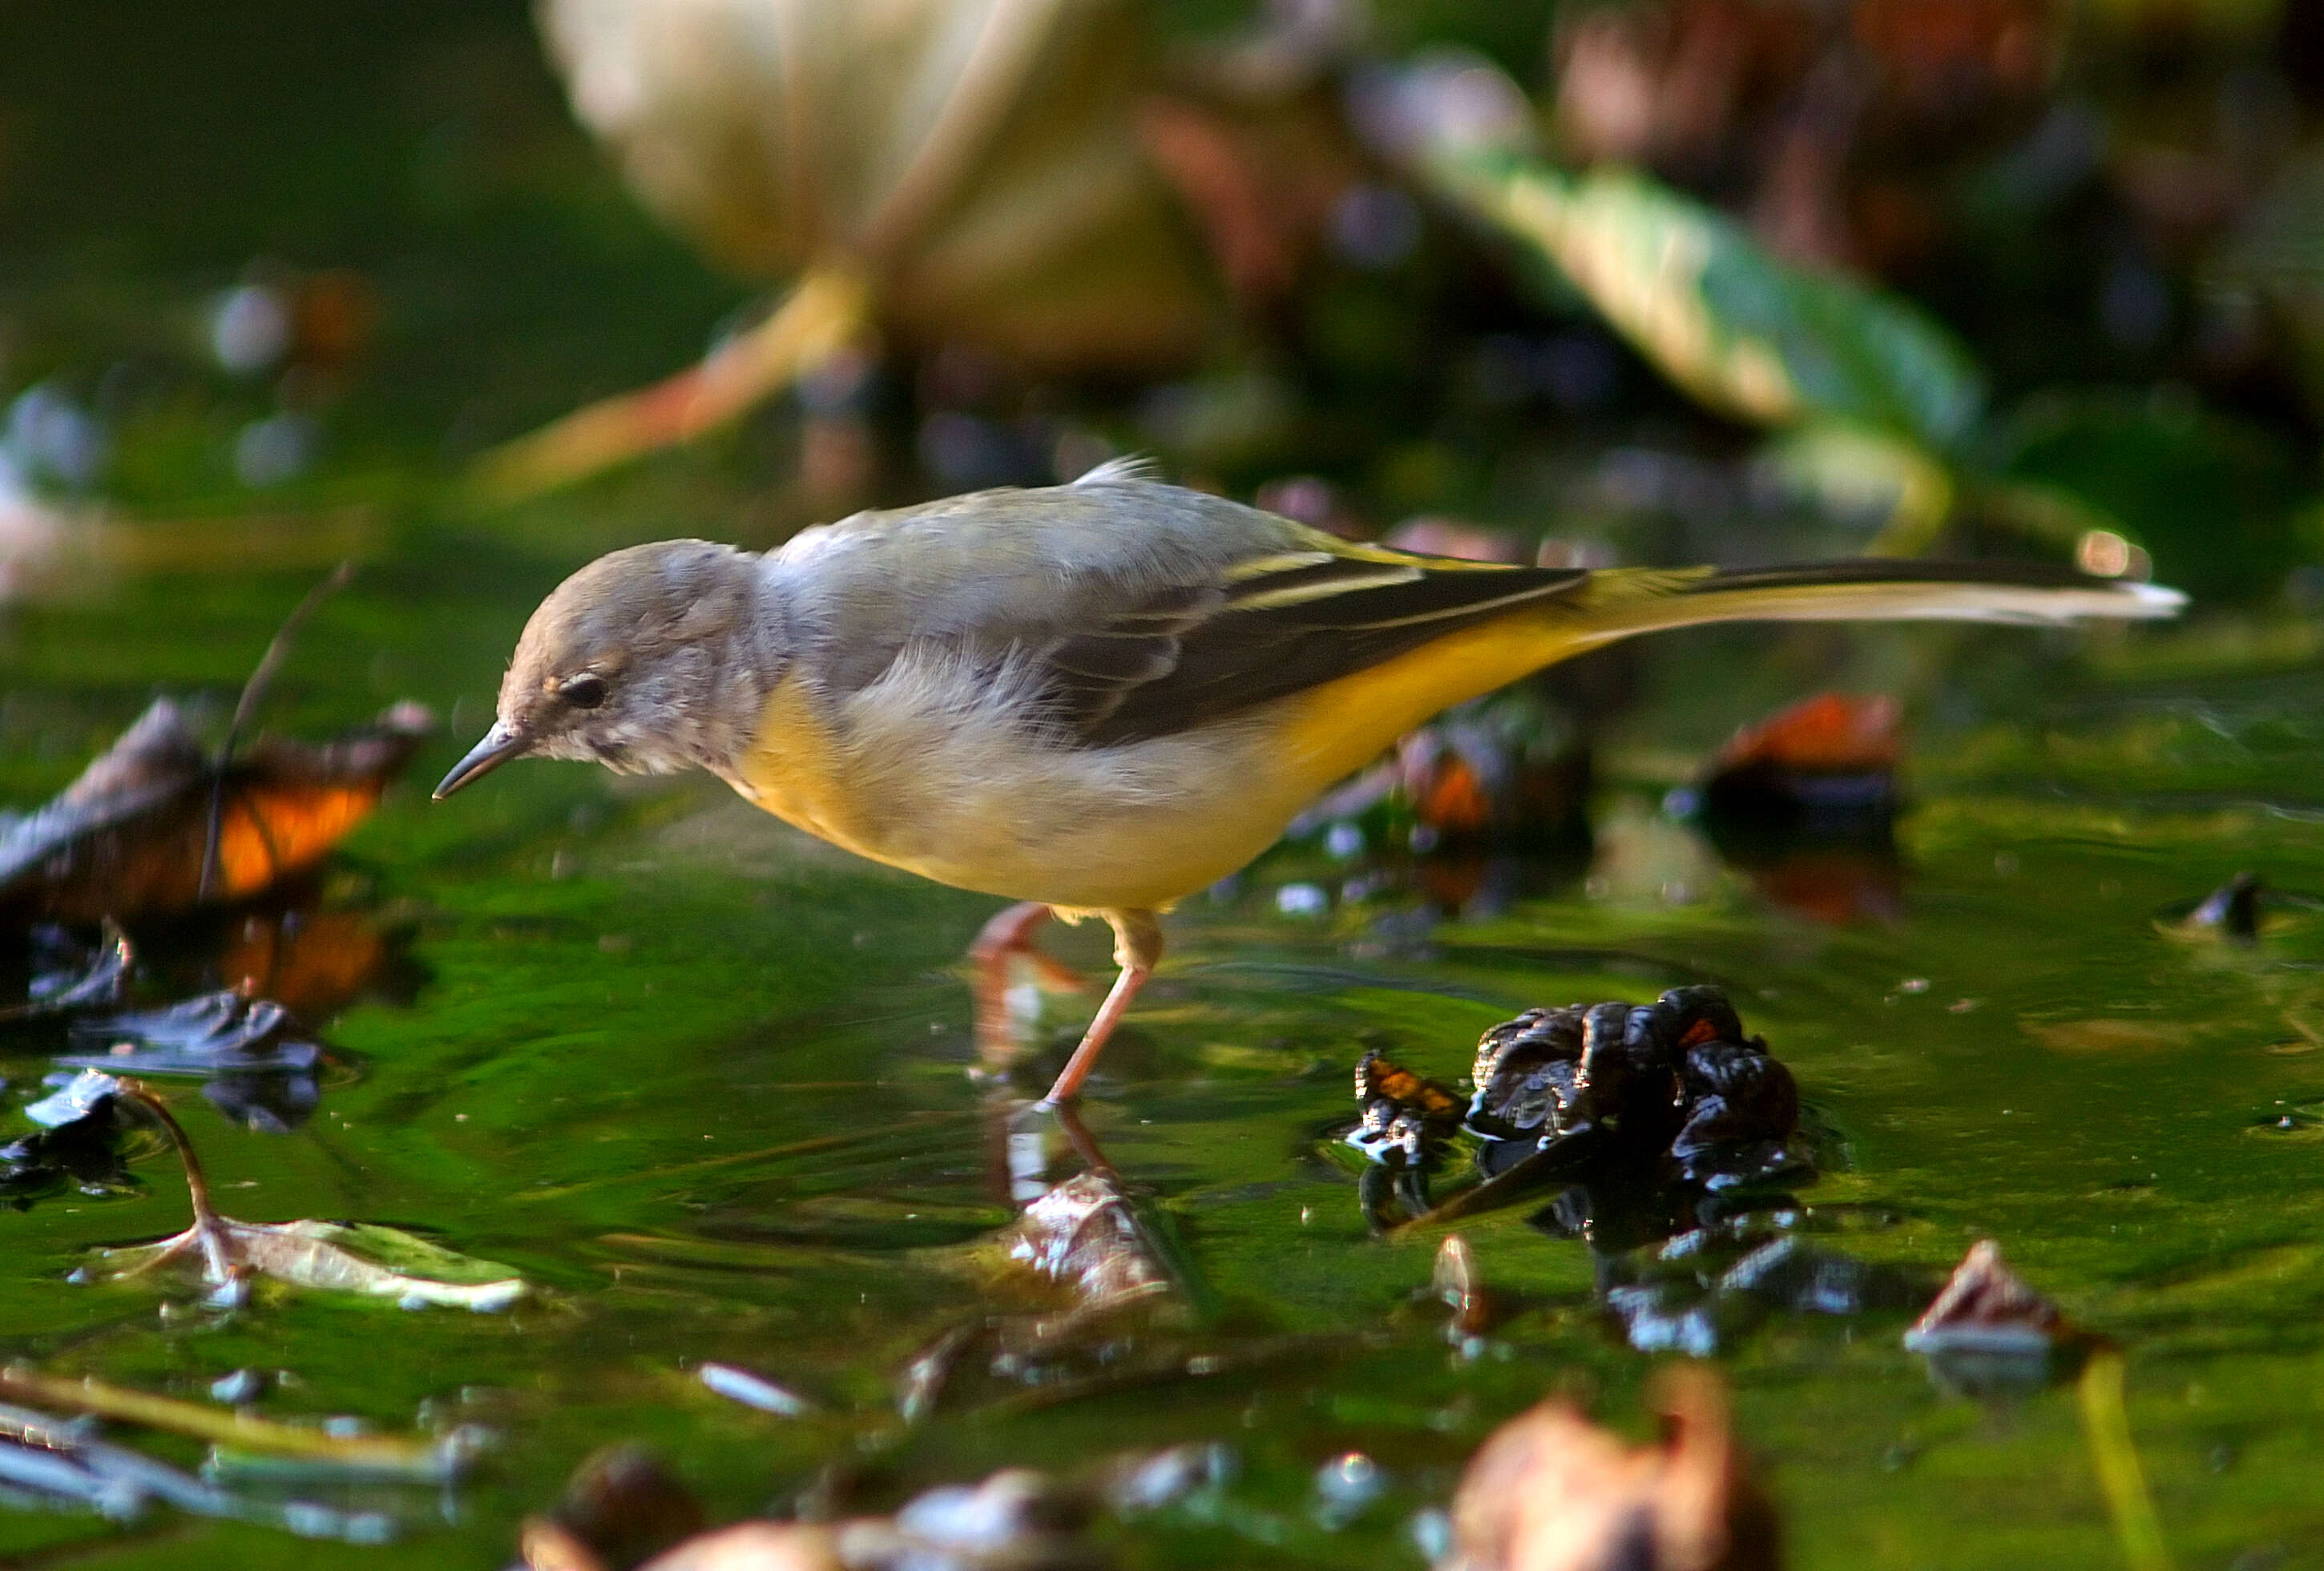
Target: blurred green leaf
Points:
(1750, 336)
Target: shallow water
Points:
(706, 1083)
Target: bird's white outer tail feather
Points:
(1752, 597)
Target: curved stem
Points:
(823, 314)
(205, 1227)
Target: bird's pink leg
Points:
(1137, 946)
(1006, 941)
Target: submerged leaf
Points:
(322, 1256)
(127, 840)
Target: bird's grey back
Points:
(994, 570)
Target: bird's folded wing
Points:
(1268, 626)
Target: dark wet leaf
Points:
(1805, 801)
(216, 1033)
(127, 840)
(1667, 1090)
(1508, 770)
(66, 977)
(1405, 1115)
(1550, 1490)
(1825, 763)
(78, 1146)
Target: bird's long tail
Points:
(1619, 604)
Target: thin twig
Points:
(224, 1425)
(254, 693)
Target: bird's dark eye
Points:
(585, 691)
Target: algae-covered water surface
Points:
(712, 1090)
(705, 1084)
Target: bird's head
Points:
(640, 661)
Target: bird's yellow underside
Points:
(1058, 825)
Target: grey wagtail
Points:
(1102, 697)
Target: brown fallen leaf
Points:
(127, 840)
(228, 1253)
(1550, 1490)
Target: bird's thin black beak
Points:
(501, 744)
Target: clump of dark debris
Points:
(1670, 1091)
(1659, 1135)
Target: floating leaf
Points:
(382, 1262)
(322, 1256)
(1750, 336)
(127, 839)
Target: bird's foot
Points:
(1011, 975)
